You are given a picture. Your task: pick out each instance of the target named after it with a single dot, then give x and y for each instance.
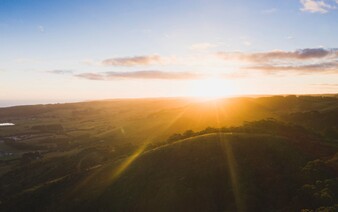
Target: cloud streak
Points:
(269, 11)
(58, 71)
(134, 61)
(300, 61)
(326, 85)
(41, 28)
(301, 54)
(161, 75)
(316, 6)
(330, 67)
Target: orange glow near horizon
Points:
(212, 88)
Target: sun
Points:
(212, 88)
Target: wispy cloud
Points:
(316, 6)
(301, 54)
(330, 67)
(92, 76)
(300, 61)
(152, 60)
(41, 28)
(134, 61)
(269, 11)
(162, 75)
(91, 62)
(326, 85)
(245, 41)
(59, 71)
(234, 75)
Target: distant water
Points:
(11, 103)
(6, 124)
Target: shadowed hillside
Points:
(213, 172)
(133, 155)
(241, 170)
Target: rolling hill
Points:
(210, 172)
(241, 154)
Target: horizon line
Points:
(33, 102)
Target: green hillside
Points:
(211, 172)
(241, 154)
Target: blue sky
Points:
(50, 50)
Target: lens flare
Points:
(212, 88)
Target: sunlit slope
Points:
(135, 120)
(209, 172)
(213, 172)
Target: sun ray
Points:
(212, 88)
(234, 178)
(129, 160)
(115, 171)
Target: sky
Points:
(61, 51)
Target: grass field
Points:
(240, 154)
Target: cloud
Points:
(234, 75)
(269, 11)
(326, 85)
(299, 61)
(308, 60)
(202, 46)
(90, 62)
(329, 67)
(301, 54)
(134, 61)
(162, 75)
(91, 76)
(247, 43)
(57, 71)
(316, 6)
(41, 28)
